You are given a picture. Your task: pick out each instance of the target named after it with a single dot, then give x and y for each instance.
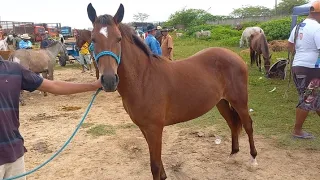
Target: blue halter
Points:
(104, 53)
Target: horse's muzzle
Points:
(110, 82)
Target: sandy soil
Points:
(47, 122)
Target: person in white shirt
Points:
(306, 67)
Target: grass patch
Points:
(87, 125)
(273, 115)
(101, 130)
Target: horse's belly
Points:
(191, 107)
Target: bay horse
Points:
(258, 46)
(82, 37)
(247, 32)
(39, 60)
(157, 92)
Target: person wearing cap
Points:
(166, 44)
(25, 43)
(14, 78)
(151, 41)
(306, 67)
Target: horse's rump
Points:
(35, 60)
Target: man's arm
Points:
(32, 81)
(291, 40)
(65, 88)
(154, 47)
(317, 38)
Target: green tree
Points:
(250, 11)
(286, 6)
(190, 17)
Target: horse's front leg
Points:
(153, 135)
(45, 75)
(259, 62)
(252, 56)
(22, 103)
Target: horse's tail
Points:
(236, 121)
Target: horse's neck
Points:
(54, 50)
(133, 68)
(264, 47)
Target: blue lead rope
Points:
(65, 144)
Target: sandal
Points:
(304, 135)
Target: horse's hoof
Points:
(232, 158)
(254, 162)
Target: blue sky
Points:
(74, 12)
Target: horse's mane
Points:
(128, 33)
(53, 43)
(264, 43)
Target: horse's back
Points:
(217, 57)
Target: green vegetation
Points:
(101, 130)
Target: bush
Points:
(222, 33)
(278, 29)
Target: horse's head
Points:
(82, 37)
(106, 38)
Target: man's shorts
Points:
(84, 58)
(13, 169)
(307, 81)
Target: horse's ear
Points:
(91, 13)
(119, 15)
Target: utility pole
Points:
(275, 7)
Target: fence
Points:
(234, 21)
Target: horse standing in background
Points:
(245, 37)
(82, 37)
(258, 46)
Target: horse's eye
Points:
(119, 39)
(93, 40)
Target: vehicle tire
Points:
(62, 61)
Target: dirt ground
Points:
(122, 153)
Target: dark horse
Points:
(157, 92)
(82, 37)
(258, 46)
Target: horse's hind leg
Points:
(241, 107)
(233, 123)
